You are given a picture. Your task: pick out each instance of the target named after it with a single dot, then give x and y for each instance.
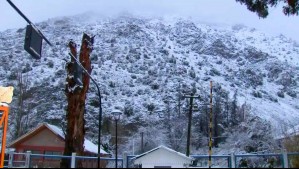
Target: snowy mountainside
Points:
(140, 62)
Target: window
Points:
(55, 153)
(35, 152)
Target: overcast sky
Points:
(213, 11)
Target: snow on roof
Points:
(165, 148)
(88, 145)
(55, 130)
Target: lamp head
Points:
(116, 114)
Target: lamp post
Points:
(116, 116)
(41, 36)
(100, 106)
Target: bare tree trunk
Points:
(76, 96)
(18, 115)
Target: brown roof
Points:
(32, 133)
(88, 145)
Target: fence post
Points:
(73, 162)
(233, 161)
(10, 159)
(124, 163)
(27, 162)
(285, 160)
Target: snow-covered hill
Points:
(140, 62)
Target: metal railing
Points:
(17, 160)
(283, 160)
(28, 160)
(218, 161)
(259, 161)
(91, 162)
(130, 162)
(46, 161)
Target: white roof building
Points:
(162, 157)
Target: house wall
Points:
(162, 158)
(46, 141)
(43, 141)
(44, 138)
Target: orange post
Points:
(3, 124)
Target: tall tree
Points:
(76, 97)
(261, 7)
(217, 118)
(234, 110)
(20, 115)
(226, 110)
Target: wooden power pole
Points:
(190, 122)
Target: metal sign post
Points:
(33, 38)
(28, 21)
(4, 109)
(6, 94)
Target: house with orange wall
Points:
(47, 139)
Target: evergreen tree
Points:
(217, 119)
(261, 7)
(234, 110)
(226, 110)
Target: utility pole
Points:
(179, 105)
(142, 148)
(211, 125)
(133, 146)
(190, 121)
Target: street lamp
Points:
(100, 106)
(116, 116)
(33, 44)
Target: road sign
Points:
(33, 42)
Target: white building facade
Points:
(162, 157)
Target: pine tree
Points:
(234, 110)
(226, 110)
(261, 7)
